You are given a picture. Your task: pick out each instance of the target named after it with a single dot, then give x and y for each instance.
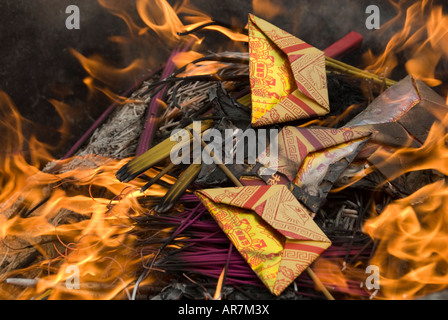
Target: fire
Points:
(204, 67)
(267, 8)
(413, 251)
(409, 236)
(184, 58)
(164, 20)
(423, 40)
(14, 168)
(76, 216)
(75, 219)
(100, 70)
(161, 18)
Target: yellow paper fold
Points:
(273, 232)
(295, 144)
(288, 78)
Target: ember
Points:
(178, 191)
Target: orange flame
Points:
(14, 166)
(76, 219)
(202, 68)
(268, 9)
(423, 39)
(100, 70)
(412, 251)
(79, 217)
(412, 254)
(164, 20)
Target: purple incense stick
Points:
(105, 114)
(153, 110)
(154, 107)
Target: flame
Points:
(90, 233)
(412, 232)
(183, 58)
(202, 68)
(100, 70)
(164, 20)
(412, 253)
(423, 39)
(120, 100)
(14, 162)
(76, 218)
(268, 9)
(337, 279)
(161, 18)
(74, 215)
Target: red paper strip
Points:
(345, 45)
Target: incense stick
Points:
(348, 69)
(153, 110)
(319, 284)
(105, 114)
(237, 182)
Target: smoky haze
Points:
(37, 65)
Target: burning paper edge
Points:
(311, 175)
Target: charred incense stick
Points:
(234, 179)
(158, 176)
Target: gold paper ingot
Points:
(287, 75)
(273, 232)
(295, 144)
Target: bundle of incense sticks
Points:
(193, 228)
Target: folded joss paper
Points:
(403, 113)
(296, 144)
(410, 103)
(287, 75)
(312, 159)
(320, 169)
(271, 229)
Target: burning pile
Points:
(181, 191)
